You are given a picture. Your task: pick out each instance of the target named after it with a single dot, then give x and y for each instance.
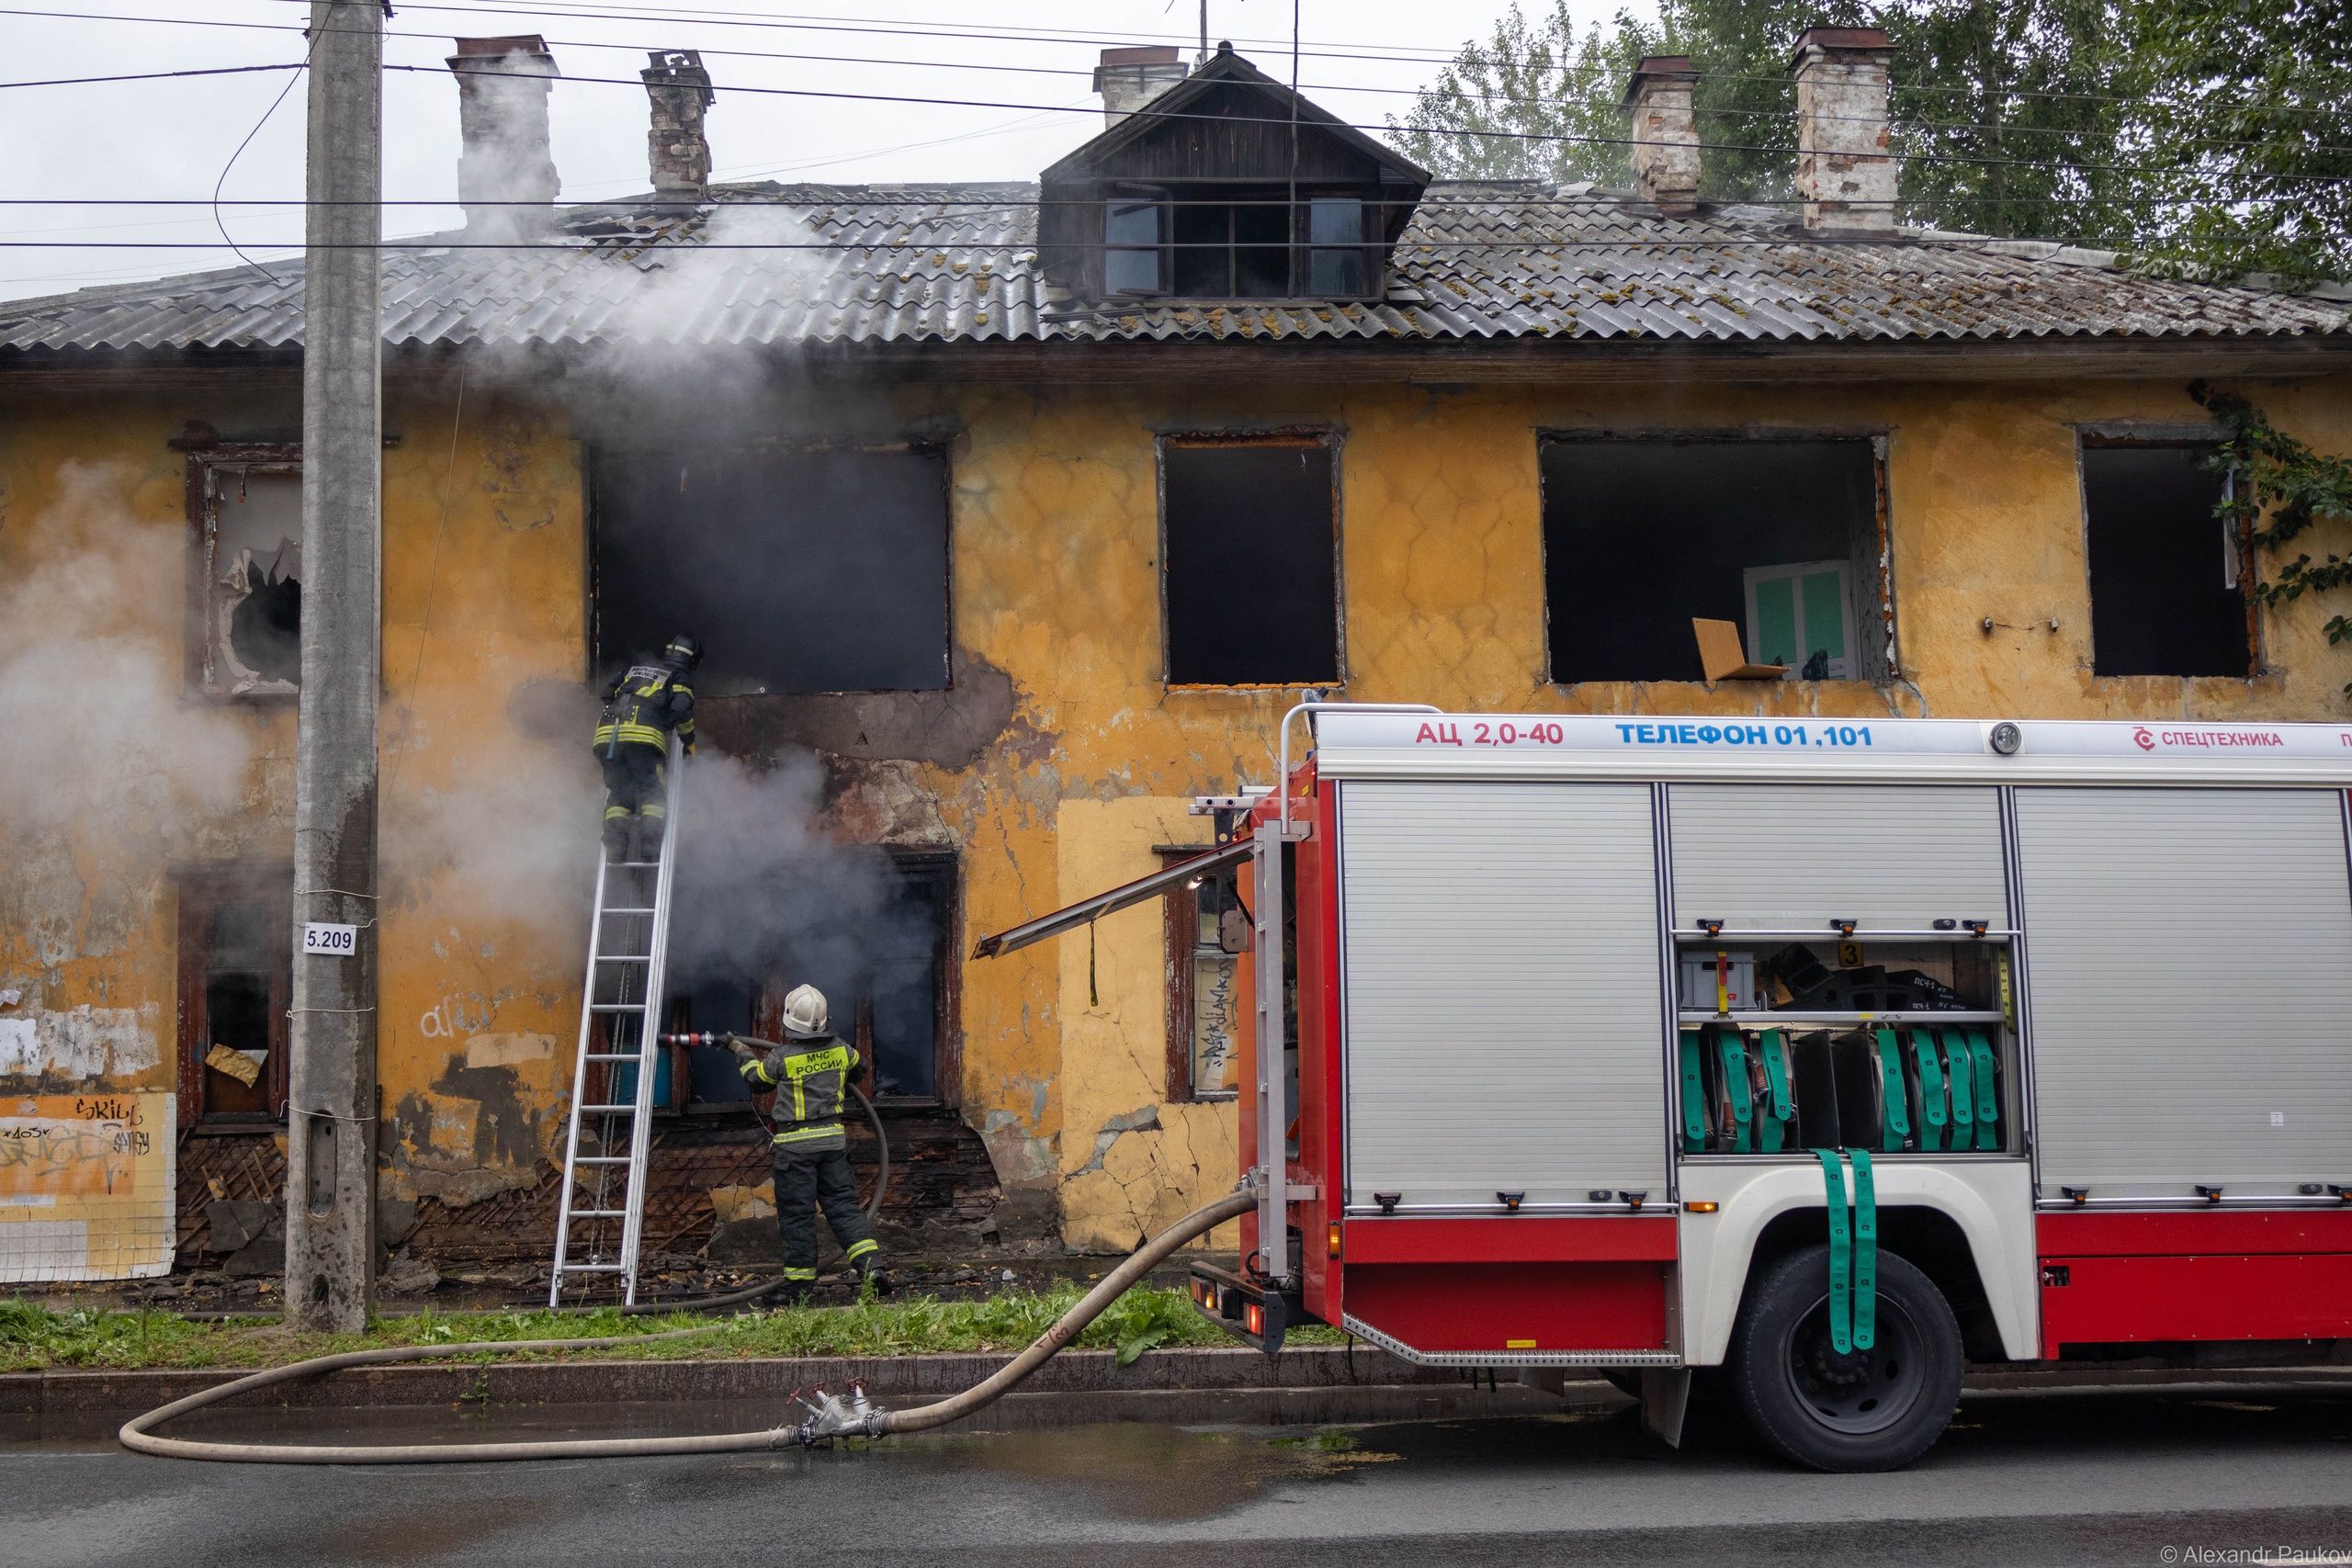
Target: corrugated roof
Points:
(813, 264)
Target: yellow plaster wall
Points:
(489, 796)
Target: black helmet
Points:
(684, 650)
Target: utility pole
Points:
(331, 1122)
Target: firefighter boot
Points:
(616, 833)
(866, 1256)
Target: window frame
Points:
(1292, 436)
(2240, 570)
(1876, 627)
(206, 466)
(1180, 926)
(199, 889)
(1300, 245)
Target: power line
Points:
(1396, 126)
(153, 75)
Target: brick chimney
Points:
(1666, 138)
(680, 154)
(504, 171)
(1130, 78)
(1845, 172)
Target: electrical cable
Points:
(831, 1421)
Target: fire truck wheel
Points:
(1875, 1409)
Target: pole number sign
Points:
(336, 941)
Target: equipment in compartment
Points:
(1719, 981)
(1892, 1090)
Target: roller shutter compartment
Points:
(1794, 857)
(2190, 965)
(1504, 1008)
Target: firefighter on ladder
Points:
(810, 1074)
(644, 706)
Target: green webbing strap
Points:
(1842, 1255)
(1988, 1103)
(1774, 1133)
(1895, 1129)
(1932, 1115)
(1695, 1096)
(1865, 1253)
(1963, 1105)
(1738, 1089)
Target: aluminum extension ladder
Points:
(628, 944)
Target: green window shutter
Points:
(1776, 621)
(1824, 617)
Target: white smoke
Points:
(102, 728)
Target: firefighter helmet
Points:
(804, 1013)
(684, 650)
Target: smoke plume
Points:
(101, 728)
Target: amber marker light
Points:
(1700, 1208)
(1335, 1238)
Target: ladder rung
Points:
(624, 958)
(600, 1159)
(631, 912)
(589, 1269)
(616, 1057)
(637, 865)
(598, 1213)
(606, 1109)
(615, 1006)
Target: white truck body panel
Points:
(2189, 964)
(1794, 857)
(1503, 1001)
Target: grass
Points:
(33, 1339)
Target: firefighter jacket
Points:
(811, 1080)
(643, 705)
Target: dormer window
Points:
(1211, 243)
(1224, 186)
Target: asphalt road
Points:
(2021, 1480)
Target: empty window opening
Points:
(2163, 568)
(885, 989)
(1208, 930)
(802, 570)
(1251, 554)
(1780, 538)
(249, 556)
(235, 984)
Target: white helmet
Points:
(804, 1013)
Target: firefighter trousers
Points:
(807, 1180)
(637, 794)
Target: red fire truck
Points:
(1818, 1057)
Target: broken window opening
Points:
(246, 604)
(2163, 568)
(1249, 552)
(236, 981)
(887, 992)
(1207, 930)
(802, 569)
(1777, 536)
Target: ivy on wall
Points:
(2273, 473)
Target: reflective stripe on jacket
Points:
(643, 705)
(811, 1082)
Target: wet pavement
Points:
(2021, 1479)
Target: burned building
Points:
(1014, 516)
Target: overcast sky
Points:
(1027, 64)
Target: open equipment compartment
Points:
(1843, 953)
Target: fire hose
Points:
(834, 1417)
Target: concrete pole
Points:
(331, 1122)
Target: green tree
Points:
(2248, 113)
(1532, 103)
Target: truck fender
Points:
(1992, 1203)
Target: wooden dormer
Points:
(1226, 187)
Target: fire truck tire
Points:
(1867, 1410)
